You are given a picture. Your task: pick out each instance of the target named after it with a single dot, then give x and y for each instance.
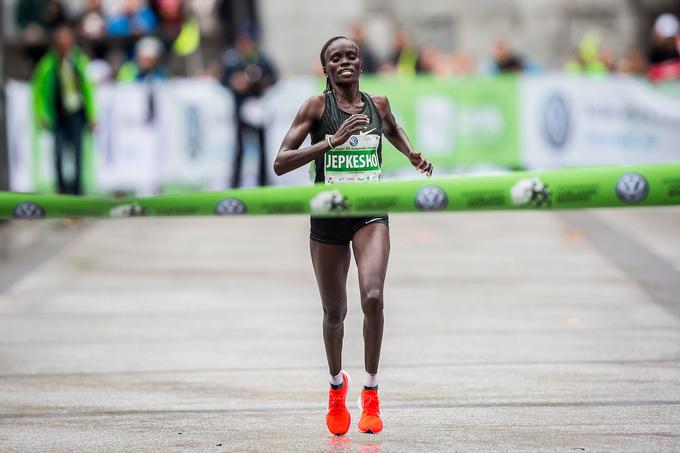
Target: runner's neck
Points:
(349, 98)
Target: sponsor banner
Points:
(626, 186)
(18, 116)
(128, 156)
(282, 103)
(176, 136)
(179, 137)
(583, 121)
(454, 122)
(196, 135)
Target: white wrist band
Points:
(328, 140)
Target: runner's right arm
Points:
(291, 156)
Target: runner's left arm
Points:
(396, 135)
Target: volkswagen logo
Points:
(431, 198)
(353, 141)
(632, 188)
(230, 206)
(556, 121)
(28, 210)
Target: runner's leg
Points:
(331, 264)
(371, 245)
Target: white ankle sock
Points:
(336, 380)
(371, 380)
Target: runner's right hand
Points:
(352, 125)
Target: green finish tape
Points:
(643, 185)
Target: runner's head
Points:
(64, 39)
(341, 61)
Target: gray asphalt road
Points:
(504, 331)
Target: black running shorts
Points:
(340, 230)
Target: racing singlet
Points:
(359, 158)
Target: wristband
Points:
(328, 141)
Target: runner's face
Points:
(343, 64)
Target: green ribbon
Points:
(623, 186)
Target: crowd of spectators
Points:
(98, 21)
(659, 61)
(111, 30)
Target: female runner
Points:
(347, 122)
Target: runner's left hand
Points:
(418, 161)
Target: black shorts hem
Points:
(341, 231)
(328, 241)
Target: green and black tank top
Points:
(357, 160)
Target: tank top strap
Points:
(334, 116)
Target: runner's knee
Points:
(334, 317)
(372, 301)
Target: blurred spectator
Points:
(55, 15)
(368, 61)
(633, 63)
(664, 46)
(607, 58)
(588, 58)
(462, 64)
(92, 21)
(99, 70)
(147, 64)
(404, 58)
(30, 12)
(234, 14)
(248, 73)
(429, 60)
(135, 18)
(64, 102)
(36, 18)
(205, 12)
(664, 52)
(169, 14)
(147, 68)
(504, 60)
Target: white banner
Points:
(196, 121)
(571, 121)
(127, 153)
(19, 125)
(149, 138)
(282, 104)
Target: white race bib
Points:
(354, 161)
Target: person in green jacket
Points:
(63, 102)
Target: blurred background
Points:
(120, 97)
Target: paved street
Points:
(504, 331)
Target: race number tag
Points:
(356, 160)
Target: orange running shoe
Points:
(370, 416)
(338, 418)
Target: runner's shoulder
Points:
(381, 102)
(314, 107)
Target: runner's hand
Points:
(423, 166)
(352, 125)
